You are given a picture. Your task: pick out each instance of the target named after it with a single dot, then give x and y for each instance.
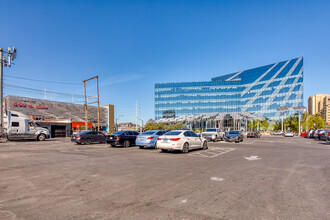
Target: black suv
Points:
(253, 134)
(88, 137)
(122, 138)
(236, 136)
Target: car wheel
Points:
(78, 143)
(41, 137)
(164, 150)
(185, 148)
(205, 145)
(113, 145)
(141, 147)
(88, 141)
(126, 143)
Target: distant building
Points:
(315, 103)
(61, 118)
(126, 126)
(320, 103)
(259, 90)
(326, 110)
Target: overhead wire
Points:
(125, 108)
(39, 80)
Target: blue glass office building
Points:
(260, 90)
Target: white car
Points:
(288, 134)
(182, 140)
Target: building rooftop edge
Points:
(228, 75)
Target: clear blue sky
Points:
(132, 45)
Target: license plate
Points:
(165, 140)
(111, 137)
(142, 139)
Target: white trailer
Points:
(18, 126)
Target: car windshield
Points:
(233, 132)
(148, 132)
(118, 133)
(211, 130)
(173, 133)
(83, 132)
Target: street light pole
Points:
(142, 125)
(299, 109)
(117, 121)
(325, 120)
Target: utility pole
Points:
(98, 102)
(142, 125)
(136, 125)
(4, 61)
(117, 121)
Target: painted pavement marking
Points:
(210, 153)
(253, 158)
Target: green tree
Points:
(316, 119)
(82, 128)
(304, 121)
(163, 126)
(265, 124)
(277, 125)
(177, 126)
(292, 123)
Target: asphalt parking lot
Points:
(267, 178)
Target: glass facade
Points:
(259, 90)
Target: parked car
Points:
(213, 134)
(149, 138)
(236, 136)
(122, 138)
(304, 134)
(277, 133)
(182, 140)
(253, 134)
(324, 134)
(88, 137)
(288, 134)
(310, 133)
(316, 133)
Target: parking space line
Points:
(215, 155)
(211, 153)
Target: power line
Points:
(38, 80)
(40, 90)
